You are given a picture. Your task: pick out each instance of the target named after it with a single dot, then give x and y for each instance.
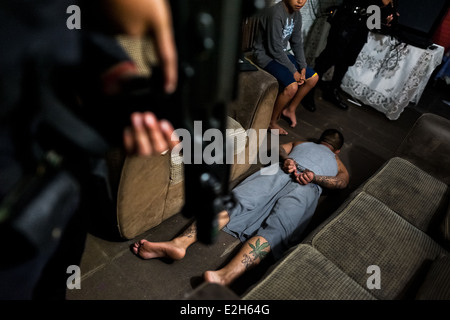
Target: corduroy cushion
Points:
(437, 282)
(407, 190)
(366, 233)
(142, 190)
(141, 51)
(257, 94)
(236, 135)
(305, 274)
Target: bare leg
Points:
(281, 102)
(174, 249)
(303, 90)
(250, 255)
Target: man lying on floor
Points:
(271, 211)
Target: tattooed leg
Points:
(250, 255)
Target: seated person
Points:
(271, 211)
(281, 25)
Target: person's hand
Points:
(298, 78)
(289, 166)
(390, 18)
(303, 76)
(305, 177)
(147, 135)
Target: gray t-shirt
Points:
(276, 29)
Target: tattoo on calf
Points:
(190, 232)
(248, 261)
(256, 253)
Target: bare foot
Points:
(151, 250)
(274, 127)
(291, 116)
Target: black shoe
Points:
(308, 101)
(334, 98)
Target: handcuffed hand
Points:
(305, 177)
(289, 166)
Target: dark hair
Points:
(333, 137)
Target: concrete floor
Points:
(110, 271)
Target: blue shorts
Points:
(284, 75)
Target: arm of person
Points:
(297, 48)
(275, 45)
(340, 181)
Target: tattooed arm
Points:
(340, 181)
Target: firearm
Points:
(208, 37)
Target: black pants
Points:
(347, 36)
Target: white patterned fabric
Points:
(388, 74)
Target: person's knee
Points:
(311, 82)
(291, 90)
(224, 217)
